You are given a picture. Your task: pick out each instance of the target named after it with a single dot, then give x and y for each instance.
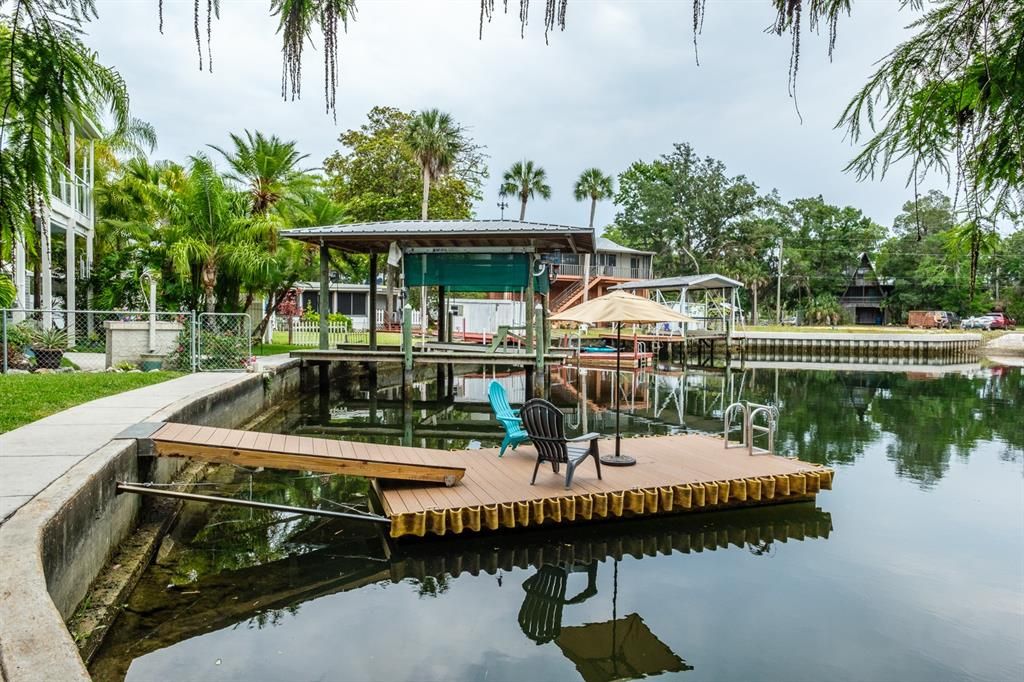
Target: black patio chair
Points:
(543, 421)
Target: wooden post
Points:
(442, 315)
(528, 307)
(325, 291)
(539, 346)
(407, 351)
(373, 302)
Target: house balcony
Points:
(622, 272)
(75, 195)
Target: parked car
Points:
(979, 322)
(1001, 321)
(948, 319)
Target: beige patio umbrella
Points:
(620, 307)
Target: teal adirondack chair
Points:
(509, 418)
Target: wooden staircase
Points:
(572, 295)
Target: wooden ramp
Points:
(682, 473)
(303, 453)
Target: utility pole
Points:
(502, 205)
(997, 283)
(778, 289)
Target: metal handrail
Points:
(749, 428)
(727, 427)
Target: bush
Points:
(824, 309)
(333, 318)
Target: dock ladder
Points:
(757, 421)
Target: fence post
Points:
(3, 332)
(193, 341)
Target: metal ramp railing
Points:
(758, 421)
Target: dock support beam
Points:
(373, 301)
(407, 374)
(528, 307)
(442, 315)
(325, 292)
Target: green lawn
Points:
(28, 397)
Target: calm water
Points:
(912, 568)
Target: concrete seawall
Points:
(54, 546)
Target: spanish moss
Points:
(554, 15)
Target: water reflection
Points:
(923, 457)
(181, 599)
(924, 417)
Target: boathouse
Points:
(454, 256)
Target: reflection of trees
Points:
(830, 417)
(932, 420)
(823, 415)
(235, 537)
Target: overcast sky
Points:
(620, 84)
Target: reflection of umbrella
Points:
(617, 649)
(619, 307)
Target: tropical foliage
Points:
(525, 180)
(695, 217)
(376, 175)
(594, 185)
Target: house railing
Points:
(75, 192)
(617, 271)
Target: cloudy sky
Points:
(620, 84)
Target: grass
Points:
(28, 397)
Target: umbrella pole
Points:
(618, 403)
(618, 459)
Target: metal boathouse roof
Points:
(454, 234)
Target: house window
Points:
(351, 303)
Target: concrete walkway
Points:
(35, 455)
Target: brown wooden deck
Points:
(673, 474)
(303, 453)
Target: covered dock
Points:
(506, 256)
(711, 299)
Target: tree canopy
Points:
(377, 177)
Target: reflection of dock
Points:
(673, 474)
(222, 600)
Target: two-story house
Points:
(611, 264)
(864, 297)
(69, 221)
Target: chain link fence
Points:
(123, 340)
(224, 342)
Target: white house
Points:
(71, 221)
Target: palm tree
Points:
(594, 185)
(211, 232)
(525, 180)
(266, 166)
(435, 141)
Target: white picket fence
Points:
(307, 333)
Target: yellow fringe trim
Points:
(588, 506)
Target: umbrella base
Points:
(618, 460)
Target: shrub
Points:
(823, 309)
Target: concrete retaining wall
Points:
(56, 544)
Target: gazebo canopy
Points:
(711, 280)
(449, 235)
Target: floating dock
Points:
(691, 472)
(425, 491)
(302, 453)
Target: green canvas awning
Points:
(470, 271)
